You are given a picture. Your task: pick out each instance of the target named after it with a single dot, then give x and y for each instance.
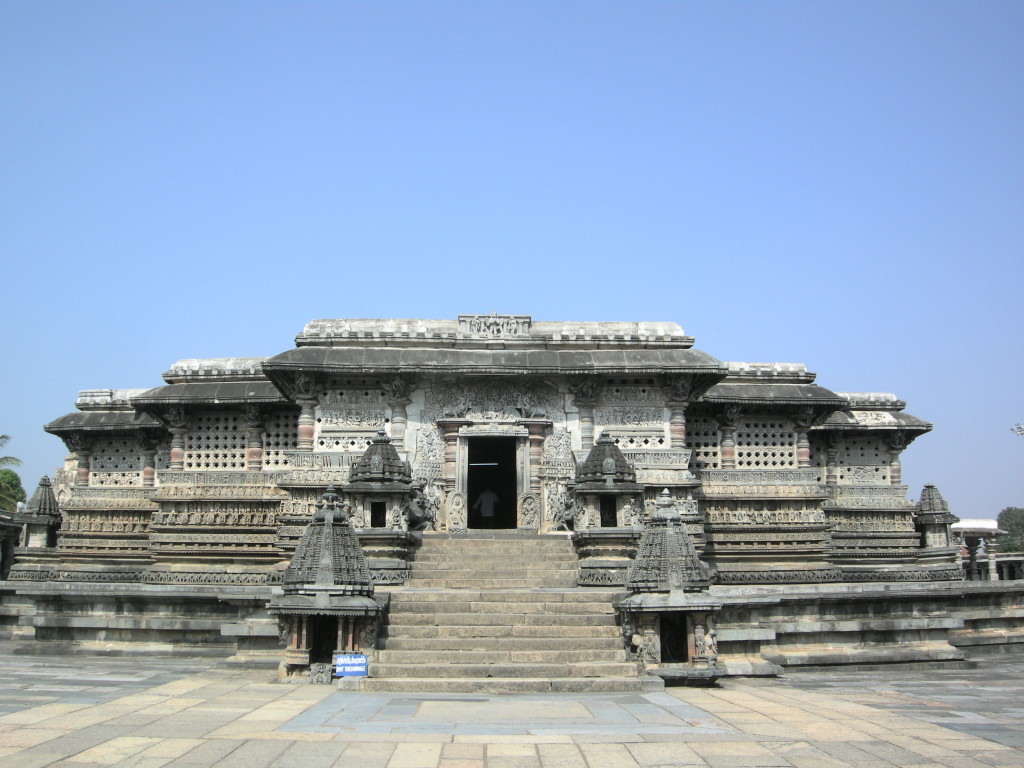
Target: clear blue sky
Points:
(834, 183)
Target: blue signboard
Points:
(350, 665)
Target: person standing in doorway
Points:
(486, 504)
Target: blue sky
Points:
(834, 183)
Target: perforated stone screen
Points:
(766, 443)
(216, 442)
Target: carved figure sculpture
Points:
(566, 519)
(418, 513)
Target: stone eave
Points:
(490, 362)
(211, 393)
(846, 421)
(761, 393)
(102, 421)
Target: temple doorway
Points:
(323, 637)
(491, 482)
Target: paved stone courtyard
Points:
(80, 711)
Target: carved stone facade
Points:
(212, 478)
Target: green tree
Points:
(11, 490)
(1011, 520)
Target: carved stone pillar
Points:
(82, 449)
(148, 467)
(399, 422)
(177, 458)
(307, 424)
(253, 439)
(585, 389)
(84, 465)
(679, 390)
(304, 389)
(148, 442)
(728, 426)
(177, 423)
(832, 460)
(972, 543)
(897, 442)
(538, 429)
(677, 424)
(398, 390)
(803, 420)
(450, 434)
(990, 554)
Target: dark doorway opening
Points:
(491, 482)
(609, 515)
(674, 638)
(378, 514)
(323, 636)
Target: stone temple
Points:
(497, 501)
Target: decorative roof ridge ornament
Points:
(495, 325)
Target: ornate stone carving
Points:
(492, 401)
(456, 512)
(528, 507)
(399, 387)
(585, 387)
(320, 674)
(495, 325)
(679, 388)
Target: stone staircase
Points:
(500, 613)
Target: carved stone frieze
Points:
(764, 516)
(389, 576)
(779, 577)
(486, 400)
(759, 476)
(612, 577)
(217, 514)
(213, 577)
(878, 521)
(233, 539)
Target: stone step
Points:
(483, 538)
(560, 582)
(608, 642)
(633, 684)
(519, 618)
(501, 657)
(581, 669)
(533, 574)
(459, 605)
(500, 630)
(488, 557)
(571, 595)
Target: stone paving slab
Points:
(81, 711)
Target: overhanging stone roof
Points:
(101, 421)
(772, 394)
(211, 393)
(468, 362)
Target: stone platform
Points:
(83, 710)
